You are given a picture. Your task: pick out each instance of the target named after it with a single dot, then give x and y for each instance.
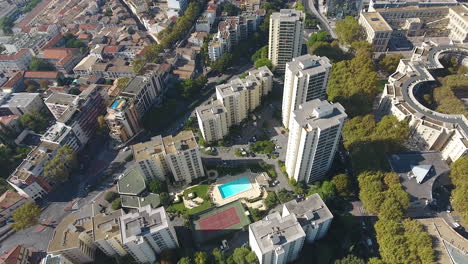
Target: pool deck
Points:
(251, 193)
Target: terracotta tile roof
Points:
(63, 55)
(12, 256)
(88, 26)
(53, 41)
(41, 74)
(9, 198)
(112, 49)
(15, 56)
(13, 80)
(7, 119)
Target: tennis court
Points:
(219, 221)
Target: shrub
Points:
(110, 196)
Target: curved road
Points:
(309, 6)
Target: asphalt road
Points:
(324, 23)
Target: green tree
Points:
(110, 196)
(35, 121)
(218, 256)
(319, 36)
(26, 216)
(271, 200)
(243, 255)
(138, 65)
(284, 196)
(222, 63)
(459, 196)
(200, 257)
(299, 6)
(263, 62)
(375, 261)
(348, 30)
(261, 53)
(60, 166)
(342, 185)
(389, 63)
(185, 260)
(38, 64)
(6, 24)
(165, 198)
(350, 259)
(116, 204)
(326, 190)
(330, 50)
(157, 186)
(231, 9)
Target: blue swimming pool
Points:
(234, 187)
(115, 104)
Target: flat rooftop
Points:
(273, 231)
(403, 163)
(312, 209)
(320, 114)
(309, 64)
(151, 199)
(183, 141)
(290, 15)
(132, 182)
(67, 233)
(209, 111)
(376, 21)
(106, 225)
(144, 151)
(146, 220)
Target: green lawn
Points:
(200, 191)
(262, 147)
(381, 85)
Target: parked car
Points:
(275, 153)
(126, 149)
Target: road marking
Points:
(94, 198)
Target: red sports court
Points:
(219, 221)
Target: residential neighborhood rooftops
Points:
(209, 111)
(143, 151)
(132, 182)
(317, 113)
(134, 224)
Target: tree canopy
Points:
(61, 165)
(389, 63)
(368, 142)
(459, 177)
(403, 242)
(350, 259)
(318, 36)
(231, 9)
(348, 30)
(190, 88)
(157, 186)
(343, 186)
(445, 95)
(35, 121)
(354, 83)
(263, 62)
(38, 64)
(26, 216)
(382, 193)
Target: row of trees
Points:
(58, 169)
(190, 88)
(170, 36)
(459, 177)
(240, 255)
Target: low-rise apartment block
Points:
(381, 25)
(19, 61)
(232, 30)
(178, 155)
(313, 139)
(20, 103)
(27, 178)
(429, 130)
(378, 31)
(147, 233)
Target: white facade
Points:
(20, 103)
(19, 61)
(276, 239)
(179, 5)
(313, 138)
(306, 79)
(178, 155)
(146, 233)
(378, 31)
(285, 37)
(106, 229)
(212, 120)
